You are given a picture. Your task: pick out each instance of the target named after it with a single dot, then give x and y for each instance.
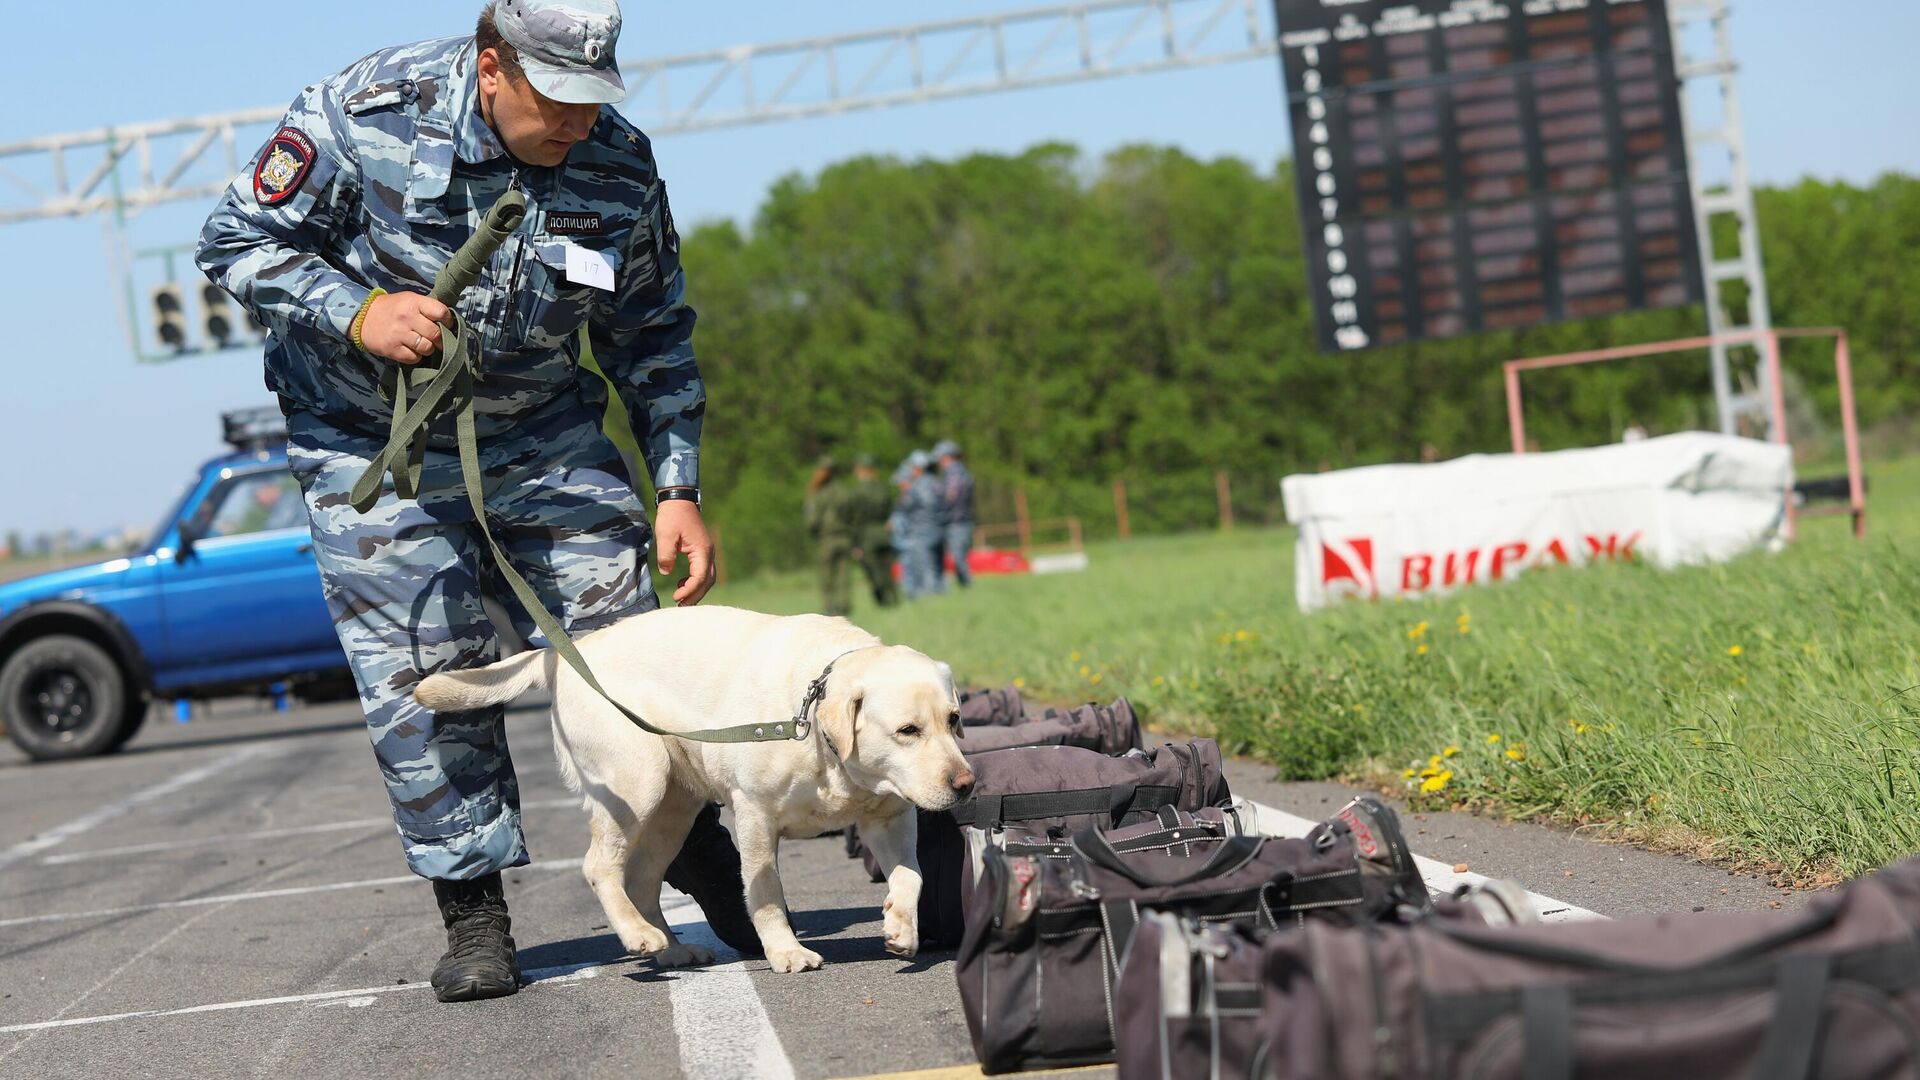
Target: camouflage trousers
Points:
(404, 582)
(959, 543)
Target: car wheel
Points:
(63, 697)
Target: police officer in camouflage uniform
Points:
(332, 238)
(956, 504)
(922, 519)
(872, 506)
(829, 518)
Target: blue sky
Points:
(92, 439)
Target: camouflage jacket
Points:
(378, 174)
(830, 513)
(921, 504)
(956, 490)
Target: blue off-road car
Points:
(223, 599)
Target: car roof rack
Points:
(260, 428)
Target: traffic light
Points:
(169, 317)
(217, 315)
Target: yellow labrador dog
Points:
(881, 743)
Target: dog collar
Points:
(817, 692)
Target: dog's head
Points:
(891, 713)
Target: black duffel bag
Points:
(1832, 991)
(993, 708)
(1106, 729)
(1109, 729)
(1064, 788)
(1189, 1003)
(1047, 932)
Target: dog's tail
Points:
(475, 688)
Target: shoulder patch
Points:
(286, 162)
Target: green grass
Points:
(1763, 712)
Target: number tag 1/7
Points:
(588, 267)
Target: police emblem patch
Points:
(285, 163)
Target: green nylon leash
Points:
(448, 388)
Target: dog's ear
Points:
(838, 715)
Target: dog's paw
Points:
(679, 956)
(643, 940)
(788, 961)
(903, 943)
(902, 931)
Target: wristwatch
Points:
(677, 494)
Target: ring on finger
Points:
(419, 343)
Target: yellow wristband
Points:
(360, 318)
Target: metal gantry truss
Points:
(123, 170)
(1732, 195)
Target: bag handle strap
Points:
(1799, 1011)
(1546, 1028)
(1231, 855)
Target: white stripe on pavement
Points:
(263, 894)
(28, 848)
(724, 1030)
(258, 834)
(1440, 876)
(550, 976)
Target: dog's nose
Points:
(962, 783)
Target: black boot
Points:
(708, 869)
(480, 961)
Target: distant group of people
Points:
(925, 518)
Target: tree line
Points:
(1072, 321)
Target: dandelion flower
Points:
(1436, 782)
(1095, 678)
(1434, 760)
(1734, 650)
(1493, 738)
(1450, 751)
(1418, 630)
(1020, 683)
(1408, 773)
(1159, 680)
(1073, 657)
(1422, 650)
(1085, 671)
(1578, 727)
(1244, 635)
(1516, 753)
(1465, 629)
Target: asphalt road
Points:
(227, 898)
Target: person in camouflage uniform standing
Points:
(830, 522)
(921, 524)
(872, 507)
(332, 239)
(956, 502)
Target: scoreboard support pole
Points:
(1724, 325)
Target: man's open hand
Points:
(404, 327)
(679, 527)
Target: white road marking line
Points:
(263, 894)
(724, 1030)
(258, 834)
(28, 848)
(1440, 876)
(558, 975)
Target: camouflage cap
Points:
(918, 460)
(863, 461)
(946, 448)
(566, 47)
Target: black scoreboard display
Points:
(1467, 165)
